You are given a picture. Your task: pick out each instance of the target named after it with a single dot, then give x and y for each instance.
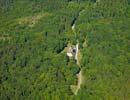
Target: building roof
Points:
(69, 54)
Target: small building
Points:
(69, 51)
(72, 51)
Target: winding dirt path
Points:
(77, 87)
(79, 75)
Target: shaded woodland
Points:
(33, 34)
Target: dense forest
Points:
(34, 34)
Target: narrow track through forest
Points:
(79, 75)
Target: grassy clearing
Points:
(32, 20)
